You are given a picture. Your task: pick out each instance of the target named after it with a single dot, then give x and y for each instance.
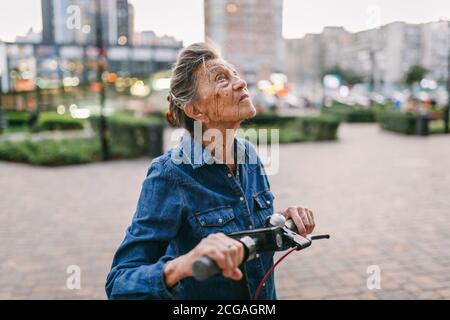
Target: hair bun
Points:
(169, 118)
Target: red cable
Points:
(266, 276)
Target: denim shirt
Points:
(185, 197)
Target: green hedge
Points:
(128, 137)
(296, 129)
(436, 127)
(17, 118)
(349, 113)
(47, 121)
(50, 121)
(131, 137)
(397, 121)
(51, 152)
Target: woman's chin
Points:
(247, 112)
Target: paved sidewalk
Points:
(384, 198)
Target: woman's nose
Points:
(239, 84)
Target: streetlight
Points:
(101, 68)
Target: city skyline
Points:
(299, 18)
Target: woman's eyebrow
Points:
(217, 67)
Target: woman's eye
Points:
(221, 77)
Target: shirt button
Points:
(241, 198)
(257, 255)
(268, 202)
(250, 227)
(220, 220)
(264, 284)
(230, 175)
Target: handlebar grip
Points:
(204, 268)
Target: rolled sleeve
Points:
(165, 292)
(137, 270)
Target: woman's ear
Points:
(192, 111)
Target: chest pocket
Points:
(263, 202)
(220, 219)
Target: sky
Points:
(184, 18)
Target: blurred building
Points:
(150, 38)
(387, 53)
(74, 22)
(131, 30)
(435, 48)
(30, 37)
(309, 57)
(68, 54)
(25, 65)
(382, 55)
(248, 33)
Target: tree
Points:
(348, 76)
(415, 74)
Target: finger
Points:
(217, 247)
(311, 219)
(303, 212)
(237, 274)
(233, 250)
(301, 228)
(228, 267)
(236, 250)
(309, 225)
(241, 252)
(222, 243)
(213, 253)
(289, 212)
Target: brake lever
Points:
(290, 232)
(295, 239)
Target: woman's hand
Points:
(302, 217)
(225, 251)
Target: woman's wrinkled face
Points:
(222, 94)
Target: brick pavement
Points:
(383, 197)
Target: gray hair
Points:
(183, 85)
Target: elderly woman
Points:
(187, 207)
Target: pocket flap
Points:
(216, 217)
(264, 199)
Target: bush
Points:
(128, 137)
(296, 129)
(131, 137)
(396, 121)
(349, 113)
(49, 121)
(17, 118)
(51, 152)
(437, 127)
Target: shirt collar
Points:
(197, 155)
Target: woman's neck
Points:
(220, 142)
